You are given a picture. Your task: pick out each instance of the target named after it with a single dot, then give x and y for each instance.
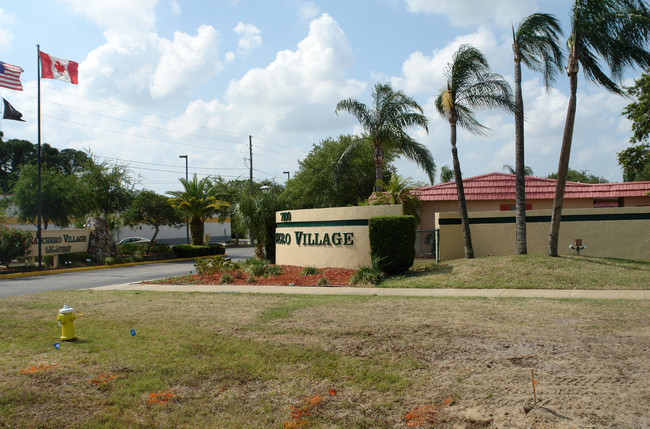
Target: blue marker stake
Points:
(56, 346)
(133, 332)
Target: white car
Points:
(134, 240)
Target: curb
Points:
(92, 268)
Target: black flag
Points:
(10, 113)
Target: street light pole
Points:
(288, 174)
(187, 225)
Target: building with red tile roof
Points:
(496, 192)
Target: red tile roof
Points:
(501, 186)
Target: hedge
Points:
(192, 251)
(392, 241)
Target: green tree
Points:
(446, 174)
(16, 153)
(470, 85)
(107, 189)
(256, 213)
(321, 181)
(196, 201)
(536, 43)
(635, 160)
(582, 176)
(385, 124)
(59, 197)
(14, 243)
(614, 32)
(398, 190)
(152, 209)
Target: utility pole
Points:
(250, 151)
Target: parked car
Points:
(134, 240)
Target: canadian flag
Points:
(56, 68)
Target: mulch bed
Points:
(290, 276)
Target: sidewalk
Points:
(322, 290)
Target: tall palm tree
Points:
(536, 43)
(385, 123)
(616, 32)
(196, 201)
(470, 85)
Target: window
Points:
(512, 207)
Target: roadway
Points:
(106, 277)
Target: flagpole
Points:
(38, 230)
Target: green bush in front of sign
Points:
(392, 240)
(193, 251)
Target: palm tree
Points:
(536, 43)
(616, 32)
(470, 85)
(385, 124)
(198, 203)
(398, 190)
(446, 174)
(527, 170)
(256, 213)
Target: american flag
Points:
(10, 76)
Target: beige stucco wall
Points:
(344, 221)
(430, 208)
(617, 238)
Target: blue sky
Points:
(163, 78)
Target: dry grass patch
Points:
(243, 361)
(527, 272)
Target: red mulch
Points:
(290, 277)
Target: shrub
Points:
(368, 274)
(192, 251)
(113, 260)
(323, 282)
(256, 267)
(392, 240)
(226, 278)
(210, 266)
(309, 271)
(14, 243)
(132, 248)
(76, 259)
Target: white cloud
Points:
(294, 95)
(313, 73)
(425, 74)
(475, 12)
(308, 10)
(150, 68)
(6, 37)
(186, 61)
(175, 7)
(249, 37)
(118, 16)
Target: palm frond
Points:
(537, 44)
(615, 31)
(385, 123)
(419, 153)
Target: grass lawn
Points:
(266, 361)
(526, 272)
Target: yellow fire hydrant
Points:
(66, 319)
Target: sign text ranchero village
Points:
(328, 237)
(316, 239)
(57, 242)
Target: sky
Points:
(203, 78)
